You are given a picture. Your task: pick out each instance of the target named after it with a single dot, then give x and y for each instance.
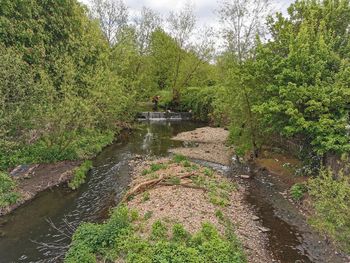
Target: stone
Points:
(244, 176)
(264, 229)
(255, 218)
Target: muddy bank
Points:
(33, 179)
(266, 185)
(178, 193)
(207, 144)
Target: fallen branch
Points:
(185, 185)
(149, 184)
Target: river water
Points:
(40, 231)
(27, 228)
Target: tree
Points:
(181, 26)
(242, 22)
(242, 26)
(304, 74)
(113, 16)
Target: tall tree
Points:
(113, 16)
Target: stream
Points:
(41, 230)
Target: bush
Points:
(80, 175)
(331, 201)
(298, 191)
(117, 241)
(205, 103)
(8, 195)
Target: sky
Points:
(205, 9)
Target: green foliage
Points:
(157, 166)
(79, 175)
(179, 233)
(145, 196)
(177, 158)
(219, 214)
(208, 172)
(124, 244)
(331, 201)
(148, 215)
(204, 102)
(60, 97)
(297, 191)
(175, 180)
(159, 231)
(8, 194)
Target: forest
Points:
(74, 76)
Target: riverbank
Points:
(34, 179)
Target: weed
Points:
(298, 191)
(145, 196)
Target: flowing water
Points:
(41, 230)
(28, 235)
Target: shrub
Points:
(80, 175)
(298, 191)
(8, 195)
(117, 241)
(159, 231)
(331, 201)
(179, 158)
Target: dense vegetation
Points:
(8, 195)
(71, 77)
(118, 239)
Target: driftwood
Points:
(184, 185)
(149, 184)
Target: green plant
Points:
(208, 172)
(145, 172)
(148, 215)
(145, 196)
(159, 231)
(298, 191)
(179, 233)
(157, 166)
(80, 175)
(219, 214)
(8, 194)
(116, 240)
(177, 158)
(331, 200)
(174, 180)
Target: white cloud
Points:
(205, 9)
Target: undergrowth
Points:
(118, 241)
(331, 200)
(80, 175)
(8, 194)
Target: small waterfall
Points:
(161, 116)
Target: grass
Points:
(8, 194)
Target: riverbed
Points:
(41, 230)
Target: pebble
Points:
(255, 218)
(243, 176)
(264, 229)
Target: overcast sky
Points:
(205, 9)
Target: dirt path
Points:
(33, 179)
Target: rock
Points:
(2, 234)
(244, 176)
(264, 229)
(255, 218)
